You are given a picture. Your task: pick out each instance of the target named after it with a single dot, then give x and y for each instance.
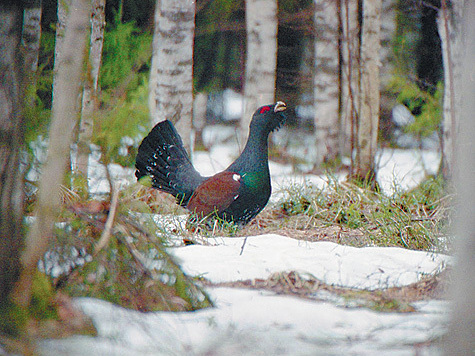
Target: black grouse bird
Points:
(237, 194)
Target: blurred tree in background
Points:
(319, 64)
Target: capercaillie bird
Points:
(237, 194)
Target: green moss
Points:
(41, 304)
(12, 318)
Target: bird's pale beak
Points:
(280, 106)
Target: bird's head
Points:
(271, 117)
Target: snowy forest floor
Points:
(324, 290)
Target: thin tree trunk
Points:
(349, 66)
(367, 127)
(388, 29)
(89, 94)
(62, 13)
(31, 34)
(199, 117)
(461, 335)
(68, 81)
(449, 24)
(326, 81)
(261, 58)
(171, 75)
(11, 142)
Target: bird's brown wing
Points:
(215, 194)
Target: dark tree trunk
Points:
(11, 140)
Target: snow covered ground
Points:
(253, 322)
(247, 322)
(250, 322)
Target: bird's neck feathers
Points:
(254, 156)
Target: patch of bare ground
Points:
(396, 299)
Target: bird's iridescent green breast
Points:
(256, 181)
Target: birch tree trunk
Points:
(449, 24)
(89, 94)
(261, 58)
(171, 74)
(68, 81)
(349, 66)
(11, 142)
(460, 339)
(327, 81)
(31, 33)
(367, 124)
(388, 30)
(62, 12)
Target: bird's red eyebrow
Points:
(264, 109)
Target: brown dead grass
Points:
(300, 227)
(274, 219)
(396, 299)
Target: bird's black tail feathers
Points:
(163, 158)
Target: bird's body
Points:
(237, 194)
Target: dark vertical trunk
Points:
(11, 140)
(429, 65)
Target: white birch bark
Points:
(63, 9)
(261, 58)
(171, 75)
(367, 132)
(388, 29)
(89, 94)
(326, 81)
(450, 32)
(68, 82)
(31, 34)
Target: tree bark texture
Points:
(461, 335)
(388, 30)
(89, 94)
(31, 33)
(11, 141)
(261, 58)
(171, 75)
(367, 125)
(350, 74)
(63, 9)
(449, 24)
(64, 115)
(326, 80)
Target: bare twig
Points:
(242, 247)
(105, 237)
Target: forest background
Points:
(341, 65)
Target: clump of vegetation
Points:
(394, 299)
(101, 251)
(426, 105)
(123, 118)
(415, 219)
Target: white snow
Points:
(247, 322)
(364, 268)
(252, 322)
